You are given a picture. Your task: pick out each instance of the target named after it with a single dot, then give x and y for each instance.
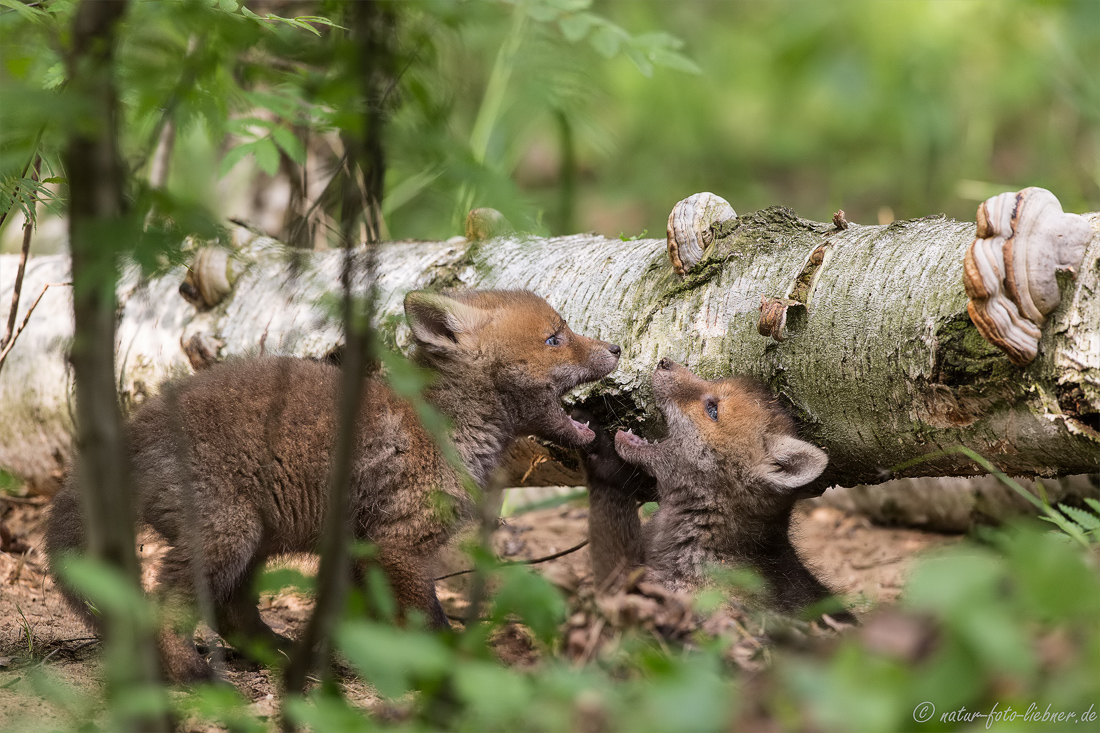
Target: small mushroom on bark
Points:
(1022, 239)
(691, 228)
(210, 277)
(485, 224)
(773, 317)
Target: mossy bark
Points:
(880, 363)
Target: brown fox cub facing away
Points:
(251, 481)
(726, 476)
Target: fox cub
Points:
(726, 476)
(257, 435)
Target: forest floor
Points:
(38, 631)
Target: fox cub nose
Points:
(664, 363)
(614, 349)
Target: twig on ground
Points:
(533, 561)
(28, 500)
(597, 629)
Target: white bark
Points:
(883, 365)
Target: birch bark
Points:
(882, 365)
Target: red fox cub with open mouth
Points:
(726, 476)
(239, 473)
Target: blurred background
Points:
(572, 116)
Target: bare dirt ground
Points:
(37, 630)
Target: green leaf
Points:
(495, 695)
(544, 12)
(607, 40)
(55, 76)
(1053, 579)
(532, 598)
(27, 12)
(576, 27)
(319, 20)
(306, 26)
(672, 60)
(267, 156)
(107, 588)
(9, 484)
(1083, 518)
(392, 659)
(234, 156)
(221, 704)
(290, 144)
(640, 61)
(327, 712)
(279, 579)
(954, 581)
(404, 377)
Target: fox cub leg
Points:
(226, 560)
(615, 490)
(410, 581)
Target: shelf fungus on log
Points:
(1022, 239)
(210, 277)
(691, 228)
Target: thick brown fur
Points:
(231, 465)
(727, 473)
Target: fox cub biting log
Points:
(726, 475)
(239, 473)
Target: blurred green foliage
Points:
(923, 107)
(1016, 625)
(918, 107)
(570, 115)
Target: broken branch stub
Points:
(1022, 240)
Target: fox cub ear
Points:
(793, 462)
(440, 321)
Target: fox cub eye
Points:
(712, 408)
(554, 340)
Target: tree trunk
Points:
(96, 205)
(882, 365)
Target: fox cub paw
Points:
(606, 470)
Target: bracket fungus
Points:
(210, 277)
(690, 228)
(1022, 239)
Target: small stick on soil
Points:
(533, 561)
(597, 629)
(29, 500)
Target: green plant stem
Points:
(1050, 514)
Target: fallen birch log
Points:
(878, 358)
